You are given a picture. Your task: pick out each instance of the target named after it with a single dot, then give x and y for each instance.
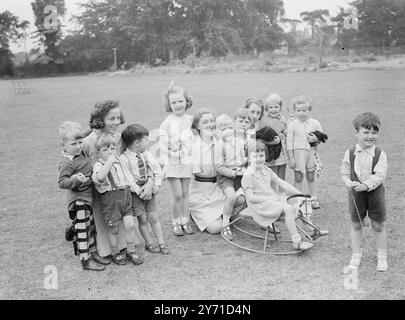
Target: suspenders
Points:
(376, 157)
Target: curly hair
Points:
(100, 111)
(256, 101)
(170, 90)
(197, 117)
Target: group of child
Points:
(126, 177)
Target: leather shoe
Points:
(92, 265)
(178, 230)
(99, 259)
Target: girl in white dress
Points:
(206, 197)
(175, 154)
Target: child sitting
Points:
(115, 198)
(137, 160)
(363, 170)
(229, 161)
(74, 175)
(264, 203)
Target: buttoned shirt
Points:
(129, 161)
(297, 132)
(117, 173)
(363, 161)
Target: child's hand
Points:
(155, 189)
(360, 187)
(291, 163)
(82, 178)
(146, 191)
(351, 184)
(112, 159)
(240, 171)
(311, 138)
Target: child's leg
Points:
(113, 239)
(129, 226)
(298, 177)
(230, 199)
(143, 227)
(310, 175)
(177, 199)
(81, 226)
(381, 239)
(156, 227)
(185, 215)
(356, 236)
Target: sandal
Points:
(164, 249)
(119, 259)
(152, 247)
(315, 204)
(228, 233)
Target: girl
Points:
(255, 109)
(277, 122)
(300, 154)
(207, 200)
(106, 117)
(175, 154)
(264, 204)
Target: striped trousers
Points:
(84, 242)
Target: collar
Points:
(133, 153)
(251, 170)
(70, 156)
(370, 150)
(278, 117)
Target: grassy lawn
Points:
(202, 266)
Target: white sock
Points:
(176, 221)
(356, 259)
(184, 220)
(382, 254)
(225, 220)
(296, 238)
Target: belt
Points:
(205, 179)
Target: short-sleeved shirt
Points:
(297, 132)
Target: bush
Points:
(323, 64)
(369, 58)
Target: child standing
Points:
(230, 159)
(264, 204)
(115, 199)
(175, 155)
(75, 175)
(363, 170)
(300, 154)
(274, 119)
(137, 161)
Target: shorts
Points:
(115, 204)
(225, 182)
(304, 160)
(368, 203)
(142, 207)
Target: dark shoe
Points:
(99, 259)
(119, 259)
(92, 265)
(152, 247)
(319, 233)
(135, 258)
(187, 228)
(178, 230)
(164, 249)
(70, 233)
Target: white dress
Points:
(175, 139)
(206, 198)
(103, 244)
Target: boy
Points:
(115, 199)
(230, 160)
(363, 170)
(74, 175)
(138, 162)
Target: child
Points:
(300, 154)
(136, 160)
(115, 198)
(363, 170)
(74, 175)
(255, 108)
(274, 119)
(230, 159)
(264, 204)
(175, 155)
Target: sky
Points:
(22, 9)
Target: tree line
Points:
(159, 31)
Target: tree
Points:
(381, 22)
(11, 29)
(48, 37)
(314, 17)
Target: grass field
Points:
(202, 266)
